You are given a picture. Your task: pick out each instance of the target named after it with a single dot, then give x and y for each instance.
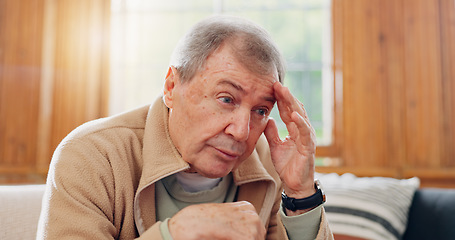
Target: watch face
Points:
(318, 185)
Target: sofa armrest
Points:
(20, 208)
(432, 215)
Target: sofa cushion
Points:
(432, 215)
(20, 208)
(367, 207)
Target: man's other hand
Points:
(237, 220)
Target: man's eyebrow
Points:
(270, 99)
(238, 87)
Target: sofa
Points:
(20, 208)
(431, 214)
(387, 208)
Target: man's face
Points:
(216, 118)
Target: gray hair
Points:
(253, 46)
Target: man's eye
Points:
(226, 99)
(262, 111)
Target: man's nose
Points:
(239, 125)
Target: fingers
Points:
(287, 103)
(249, 217)
(271, 133)
(303, 124)
(292, 112)
(243, 206)
(237, 220)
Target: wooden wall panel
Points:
(53, 77)
(448, 80)
(368, 81)
(398, 74)
(20, 56)
(79, 80)
(360, 15)
(391, 45)
(423, 83)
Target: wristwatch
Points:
(312, 201)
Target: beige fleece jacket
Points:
(101, 182)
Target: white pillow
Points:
(368, 207)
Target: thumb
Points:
(271, 133)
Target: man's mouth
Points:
(228, 155)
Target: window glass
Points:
(144, 33)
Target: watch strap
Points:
(312, 201)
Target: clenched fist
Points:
(237, 220)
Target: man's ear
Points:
(170, 82)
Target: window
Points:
(144, 34)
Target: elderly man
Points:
(203, 162)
